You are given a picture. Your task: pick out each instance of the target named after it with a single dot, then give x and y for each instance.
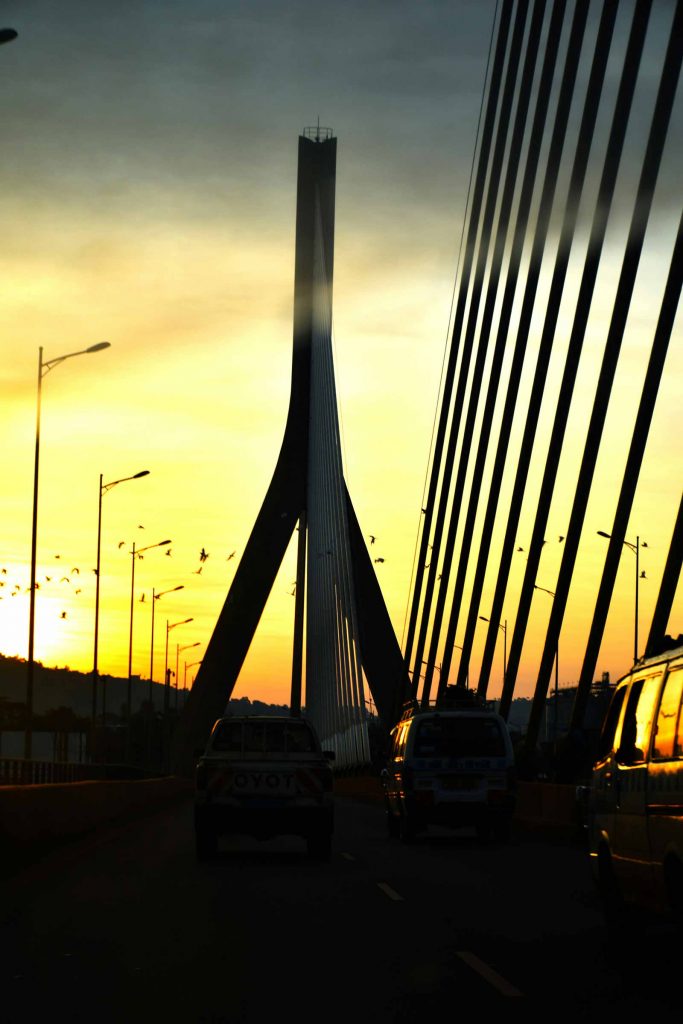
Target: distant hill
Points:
(64, 688)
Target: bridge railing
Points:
(16, 771)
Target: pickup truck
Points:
(264, 776)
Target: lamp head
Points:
(99, 346)
(7, 35)
(601, 533)
(136, 476)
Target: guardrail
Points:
(15, 771)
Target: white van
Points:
(636, 799)
(451, 765)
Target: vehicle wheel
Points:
(407, 828)
(612, 900)
(206, 843)
(319, 846)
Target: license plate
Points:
(250, 783)
(460, 782)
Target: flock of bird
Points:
(50, 581)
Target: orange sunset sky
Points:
(148, 184)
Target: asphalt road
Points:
(126, 926)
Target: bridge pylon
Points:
(348, 629)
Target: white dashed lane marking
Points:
(488, 973)
(391, 893)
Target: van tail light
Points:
(201, 776)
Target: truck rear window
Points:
(263, 737)
(459, 737)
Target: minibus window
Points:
(664, 747)
(610, 725)
(635, 730)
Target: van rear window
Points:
(459, 737)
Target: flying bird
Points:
(78, 590)
(520, 549)
(560, 539)
(197, 572)
(65, 579)
(58, 556)
(231, 555)
(168, 552)
(203, 555)
(643, 543)
(48, 579)
(63, 615)
(142, 599)
(4, 572)
(140, 527)
(643, 576)
(379, 559)
(427, 565)
(121, 543)
(372, 538)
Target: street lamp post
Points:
(129, 693)
(635, 548)
(44, 368)
(504, 630)
(457, 647)
(557, 673)
(156, 597)
(167, 688)
(103, 490)
(191, 665)
(178, 649)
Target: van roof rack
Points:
(456, 698)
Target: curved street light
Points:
(191, 665)
(167, 684)
(95, 671)
(178, 649)
(7, 35)
(129, 694)
(157, 597)
(44, 367)
(557, 671)
(635, 548)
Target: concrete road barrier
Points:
(35, 815)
